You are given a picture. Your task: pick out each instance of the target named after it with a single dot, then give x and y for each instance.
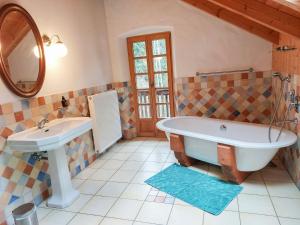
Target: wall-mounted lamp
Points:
(53, 47)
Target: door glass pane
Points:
(162, 96)
(160, 64)
(159, 47)
(139, 49)
(142, 81)
(144, 111)
(140, 66)
(143, 97)
(161, 80)
(163, 110)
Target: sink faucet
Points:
(42, 123)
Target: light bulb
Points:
(59, 49)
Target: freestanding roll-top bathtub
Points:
(253, 151)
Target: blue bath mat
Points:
(200, 190)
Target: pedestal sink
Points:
(52, 138)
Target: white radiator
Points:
(105, 113)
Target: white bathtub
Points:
(201, 136)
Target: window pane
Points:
(139, 49)
(160, 64)
(159, 47)
(161, 80)
(142, 81)
(140, 65)
(162, 96)
(143, 97)
(163, 111)
(144, 111)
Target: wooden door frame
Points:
(146, 38)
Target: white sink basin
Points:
(52, 139)
(55, 134)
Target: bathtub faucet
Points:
(223, 127)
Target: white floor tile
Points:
(131, 165)
(79, 203)
(97, 164)
(254, 219)
(152, 166)
(87, 172)
(254, 187)
(121, 156)
(136, 191)
(140, 177)
(152, 212)
(256, 176)
(112, 221)
(43, 212)
(98, 205)
(134, 143)
(129, 149)
(157, 157)
(139, 157)
(112, 189)
(77, 182)
(112, 164)
(180, 202)
(287, 207)
(171, 158)
(152, 143)
(145, 149)
(273, 174)
(91, 187)
(123, 176)
(125, 209)
(141, 223)
(225, 218)
(185, 215)
(106, 155)
(288, 221)
(102, 174)
(233, 205)
(81, 219)
(162, 149)
(283, 189)
(256, 204)
(57, 217)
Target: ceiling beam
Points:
(261, 12)
(235, 19)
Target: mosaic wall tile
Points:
(290, 156)
(242, 97)
(24, 179)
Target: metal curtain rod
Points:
(224, 72)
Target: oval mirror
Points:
(22, 60)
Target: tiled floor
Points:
(113, 192)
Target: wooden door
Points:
(150, 63)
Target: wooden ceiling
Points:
(265, 18)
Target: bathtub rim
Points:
(240, 144)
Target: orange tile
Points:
(7, 108)
(6, 132)
(41, 101)
(7, 173)
(19, 116)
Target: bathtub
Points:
(253, 151)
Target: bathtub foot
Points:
(227, 160)
(177, 145)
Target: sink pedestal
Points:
(63, 193)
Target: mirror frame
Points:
(4, 11)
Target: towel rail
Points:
(224, 72)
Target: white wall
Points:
(81, 25)
(201, 42)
